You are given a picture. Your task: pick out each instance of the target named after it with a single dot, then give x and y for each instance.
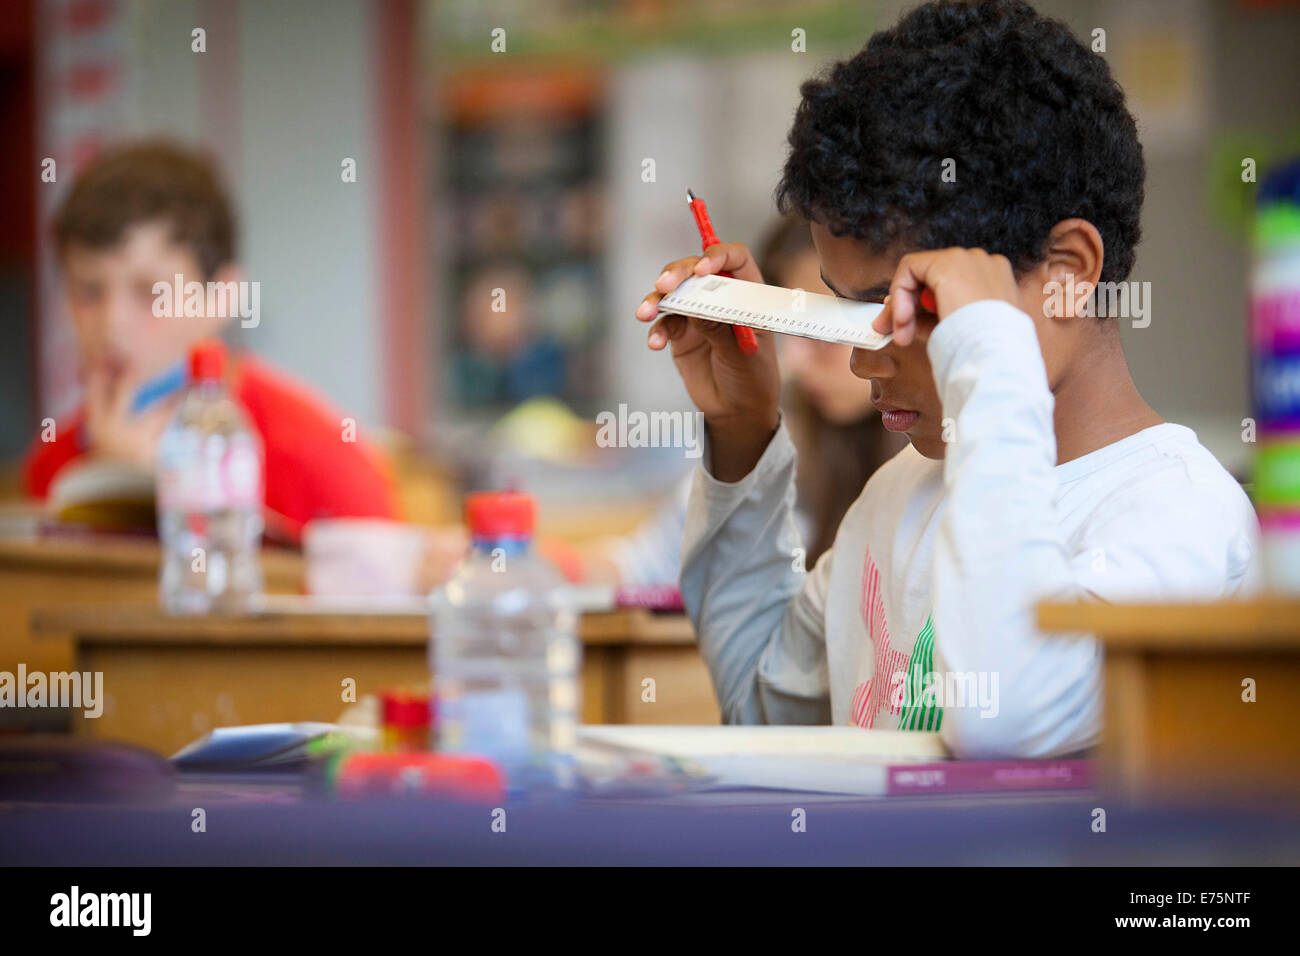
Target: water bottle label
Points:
(240, 473)
(212, 478)
(493, 723)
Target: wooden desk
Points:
(45, 572)
(1176, 721)
(168, 680)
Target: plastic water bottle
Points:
(504, 652)
(209, 497)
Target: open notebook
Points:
(809, 315)
(104, 495)
(844, 760)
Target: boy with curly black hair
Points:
(978, 151)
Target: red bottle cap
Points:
(207, 361)
(500, 514)
(403, 709)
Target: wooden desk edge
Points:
(145, 624)
(1262, 623)
(129, 557)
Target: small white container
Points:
(364, 557)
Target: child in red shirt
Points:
(144, 214)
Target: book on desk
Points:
(844, 760)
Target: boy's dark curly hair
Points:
(1036, 124)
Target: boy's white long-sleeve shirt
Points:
(922, 614)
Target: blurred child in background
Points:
(146, 213)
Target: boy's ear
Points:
(1069, 273)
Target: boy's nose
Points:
(872, 363)
(119, 318)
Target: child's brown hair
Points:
(150, 181)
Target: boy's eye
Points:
(874, 294)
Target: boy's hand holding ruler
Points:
(750, 305)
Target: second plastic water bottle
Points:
(505, 652)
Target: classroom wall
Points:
(17, 240)
(308, 81)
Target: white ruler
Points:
(810, 315)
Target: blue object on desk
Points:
(249, 748)
(163, 385)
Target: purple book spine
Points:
(978, 776)
(653, 597)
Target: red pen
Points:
(744, 336)
(927, 300)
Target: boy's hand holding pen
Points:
(708, 238)
(736, 391)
